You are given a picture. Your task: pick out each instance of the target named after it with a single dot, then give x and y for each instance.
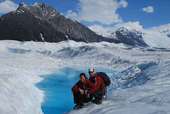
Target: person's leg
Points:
(97, 97)
(78, 100)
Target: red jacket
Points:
(84, 86)
(98, 84)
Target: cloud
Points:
(148, 9)
(157, 36)
(123, 3)
(101, 30)
(131, 25)
(72, 15)
(100, 11)
(7, 6)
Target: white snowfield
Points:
(140, 83)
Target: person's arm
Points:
(75, 88)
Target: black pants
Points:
(98, 96)
(79, 99)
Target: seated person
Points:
(80, 91)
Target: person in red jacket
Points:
(80, 91)
(98, 89)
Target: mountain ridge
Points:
(41, 22)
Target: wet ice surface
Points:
(57, 88)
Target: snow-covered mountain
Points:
(129, 37)
(41, 22)
(154, 37)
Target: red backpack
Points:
(105, 77)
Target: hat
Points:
(91, 70)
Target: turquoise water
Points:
(57, 88)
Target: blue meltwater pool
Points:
(57, 88)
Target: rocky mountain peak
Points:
(41, 22)
(40, 10)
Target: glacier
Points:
(140, 78)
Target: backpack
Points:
(105, 77)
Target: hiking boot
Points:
(78, 106)
(96, 101)
(99, 102)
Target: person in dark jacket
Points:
(98, 89)
(80, 91)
